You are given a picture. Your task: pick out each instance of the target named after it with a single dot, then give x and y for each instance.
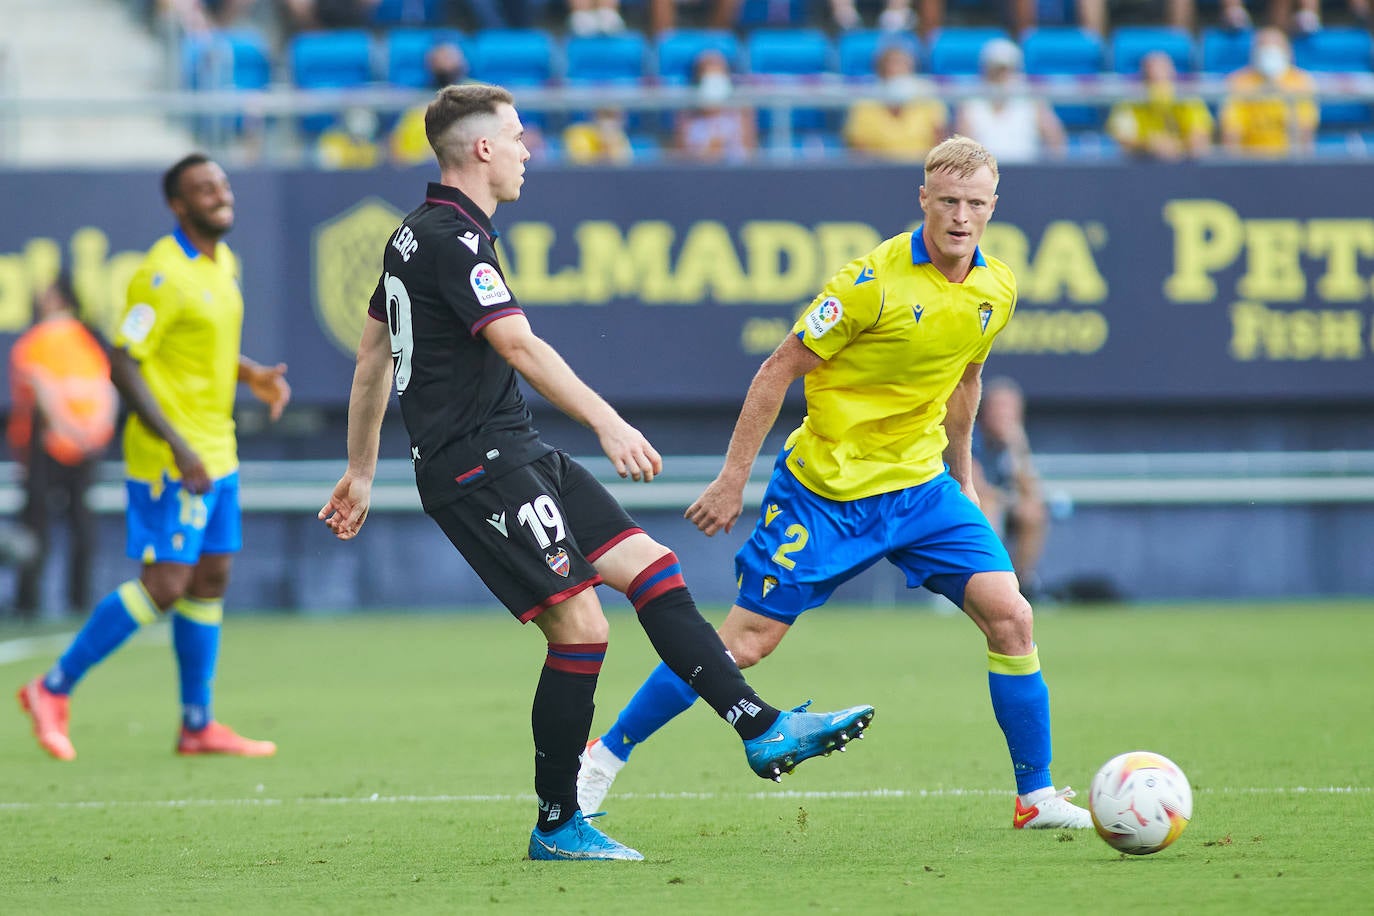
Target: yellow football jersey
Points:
(896, 337)
(183, 322)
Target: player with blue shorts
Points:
(892, 352)
(177, 364)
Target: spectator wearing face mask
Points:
(447, 66)
(1269, 110)
(1008, 118)
(715, 130)
(906, 121)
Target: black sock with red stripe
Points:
(561, 718)
(689, 646)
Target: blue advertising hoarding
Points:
(1138, 283)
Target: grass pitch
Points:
(403, 782)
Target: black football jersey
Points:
(441, 284)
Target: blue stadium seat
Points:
(617, 58)
(789, 52)
(1062, 51)
(1130, 43)
(1333, 50)
(338, 59)
(677, 50)
(858, 47)
(1224, 51)
(227, 59)
(515, 57)
(1057, 53)
(405, 54)
(755, 13)
(408, 12)
(954, 51)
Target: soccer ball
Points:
(1140, 802)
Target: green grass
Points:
(403, 783)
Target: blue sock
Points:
(195, 637)
(113, 620)
(661, 698)
(1021, 702)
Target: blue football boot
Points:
(800, 735)
(578, 839)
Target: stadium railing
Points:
(1122, 479)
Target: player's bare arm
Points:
(267, 383)
(348, 504)
(540, 365)
(960, 411)
(127, 377)
(720, 504)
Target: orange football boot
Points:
(217, 738)
(50, 713)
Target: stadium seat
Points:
(1059, 53)
(338, 59)
(617, 58)
(1333, 50)
(954, 51)
(1130, 43)
(405, 54)
(515, 57)
(677, 50)
(1062, 51)
(227, 59)
(858, 47)
(408, 12)
(789, 52)
(1224, 51)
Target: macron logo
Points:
(499, 523)
(469, 239)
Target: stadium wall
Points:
(1163, 307)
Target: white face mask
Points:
(1271, 61)
(899, 89)
(714, 88)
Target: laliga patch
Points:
(138, 323)
(488, 285)
(824, 317)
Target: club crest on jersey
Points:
(559, 562)
(769, 583)
(984, 315)
(488, 285)
(824, 316)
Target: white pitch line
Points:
(27, 647)
(377, 799)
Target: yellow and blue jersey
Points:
(183, 322)
(896, 337)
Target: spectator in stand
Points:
(1009, 120)
(1303, 20)
(1095, 15)
(907, 121)
(351, 142)
(62, 419)
(599, 141)
(1269, 109)
(1161, 125)
(1008, 486)
(447, 66)
(595, 17)
(663, 15)
(715, 131)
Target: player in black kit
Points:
(535, 525)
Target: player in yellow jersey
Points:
(892, 354)
(177, 364)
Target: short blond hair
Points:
(962, 156)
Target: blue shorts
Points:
(174, 526)
(804, 545)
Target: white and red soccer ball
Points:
(1140, 802)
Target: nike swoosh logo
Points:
(550, 849)
(773, 739)
(1023, 816)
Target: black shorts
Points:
(533, 533)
